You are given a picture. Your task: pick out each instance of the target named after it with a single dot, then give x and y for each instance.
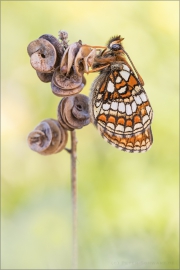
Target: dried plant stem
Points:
(74, 200)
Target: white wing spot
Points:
(126, 67)
(98, 103)
(121, 107)
(137, 143)
(137, 88)
(134, 107)
(128, 109)
(120, 128)
(110, 87)
(122, 89)
(96, 111)
(125, 74)
(143, 143)
(143, 97)
(114, 105)
(151, 114)
(106, 106)
(118, 79)
(128, 129)
(99, 96)
(138, 100)
(145, 119)
(148, 109)
(138, 126)
(111, 126)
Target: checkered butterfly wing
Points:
(121, 110)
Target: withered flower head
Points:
(67, 85)
(73, 112)
(57, 45)
(69, 56)
(49, 137)
(43, 55)
(84, 59)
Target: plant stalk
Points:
(74, 200)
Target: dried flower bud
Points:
(62, 93)
(63, 85)
(69, 56)
(48, 137)
(84, 59)
(73, 112)
(63, 35)
(43, 55)
(57, 45)
(61, 114)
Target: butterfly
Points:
(119, 106)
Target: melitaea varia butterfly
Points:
(119, 105)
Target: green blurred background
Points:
(127, 203)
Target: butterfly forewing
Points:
(121, 109)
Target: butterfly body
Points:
(119, 105)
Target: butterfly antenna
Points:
(139, 77)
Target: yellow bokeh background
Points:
(127, 203)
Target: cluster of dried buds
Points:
(63, 65)
(50, 136)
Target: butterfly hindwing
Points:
(120, 108)
(134, 144)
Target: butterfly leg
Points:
(97, 69)
(96, 47)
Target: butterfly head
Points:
(114, 44)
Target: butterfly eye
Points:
(116, 47)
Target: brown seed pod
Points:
(84, 59)
(61, 114)
(67, 82)
(62, 93)
(80, 109)
(48, 137)
(57, 45)
(43, 55)
(69, 85)
(69, 56)
(73, 112)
